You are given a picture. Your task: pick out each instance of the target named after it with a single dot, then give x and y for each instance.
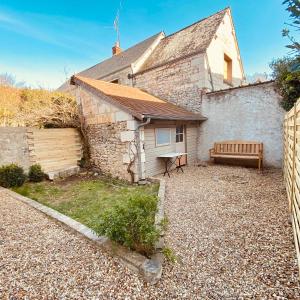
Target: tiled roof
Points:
(120, 61)
(190, 40)
(116, 62)
(135, 101)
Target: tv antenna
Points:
(117, 23)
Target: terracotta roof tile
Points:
(137, 102)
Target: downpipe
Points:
(141, 176)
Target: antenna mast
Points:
(116, 24)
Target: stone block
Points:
(127, 136)
(122, 116)
(132, 125)
(126, 158)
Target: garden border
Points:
(149, 269)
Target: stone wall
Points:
(107, 149)
(121, 75)
(247, 113)
(224, 42)
(110, 133)
(14, 146)
(179, 82)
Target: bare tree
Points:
(10, 80)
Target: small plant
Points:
(131, 223)
(12, 176)
(164, 223)
(169, 255)
(36, 173)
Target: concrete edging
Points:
(149, 269)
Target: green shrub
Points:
(11, 176)
(131, 223)
(287, 80)
(170, 255)
(36, 173)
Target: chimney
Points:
(116, 49)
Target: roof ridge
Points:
(152, 36)
(199, 21)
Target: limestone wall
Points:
(180, 82)
(111, 135)
(14, 146)
(224, 42)
(121, 75)
(248, 113)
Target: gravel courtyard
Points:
(228, 226)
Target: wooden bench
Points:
(238, 150)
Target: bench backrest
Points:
(238, 147)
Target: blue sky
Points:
(41, 41)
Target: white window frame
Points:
(180, 134)
(164, 144)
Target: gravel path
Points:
(228, 226)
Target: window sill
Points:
(162, 145)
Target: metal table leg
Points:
(166, 161)
(179, 165)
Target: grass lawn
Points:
(83, 198)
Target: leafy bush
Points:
(11, 176)
(287, 80)
(36, 173)
(131, 223)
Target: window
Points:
(179, 134)
(115, 81)
(163, 136)
(227, 69)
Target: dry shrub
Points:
(37, 108)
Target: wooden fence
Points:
(292, 169)
(54, 149)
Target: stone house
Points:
(179, 67)
(195, 69)
(128, 129)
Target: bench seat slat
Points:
(235, 156)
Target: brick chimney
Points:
(116, 49)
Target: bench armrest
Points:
(211, 151)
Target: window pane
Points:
(163, 136)
(179, 129)
(179, 134)
(179, 138)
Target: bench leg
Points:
(260, 164)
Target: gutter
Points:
(196, 118)
(141, 174)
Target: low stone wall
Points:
(246, 113)
(14, 146)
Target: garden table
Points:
(170, 160)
